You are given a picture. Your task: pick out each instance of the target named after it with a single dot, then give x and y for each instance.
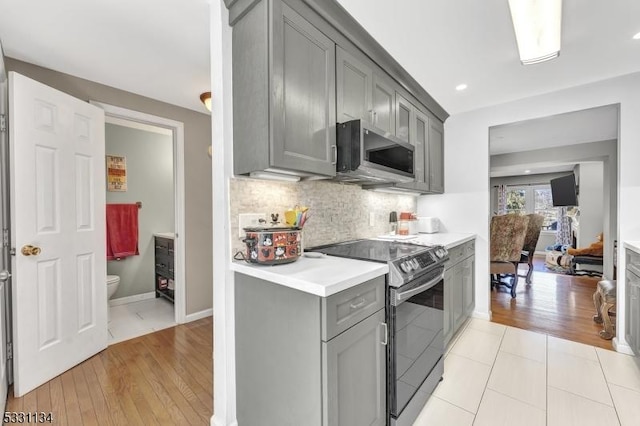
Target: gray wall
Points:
(149, 159)
(197, 138)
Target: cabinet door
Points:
(354, 375)
(447, 330)
(436, 156)
(404, 115)
(354, 88)
(457, 303)
(303, 95)
(633, 311)
(419, 140)
(383, 105)
(468, 288)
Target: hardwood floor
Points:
(557, 304)
(163, 378)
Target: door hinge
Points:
(5, 238)
(9, 351)
(3, 123)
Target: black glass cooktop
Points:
(372, 250)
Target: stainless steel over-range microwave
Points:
(367, 155)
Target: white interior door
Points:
(58, 231)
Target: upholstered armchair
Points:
(507, 237)
(530, 241)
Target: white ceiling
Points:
(155, 48)
(160, 48)
(590, 125)
(443, 43)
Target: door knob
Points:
(30, 250)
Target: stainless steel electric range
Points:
(415, 317)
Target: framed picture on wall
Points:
(116, 173)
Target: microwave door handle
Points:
(410, 293)
(335, 154)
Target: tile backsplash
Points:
(338, 212)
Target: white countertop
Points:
(632, 245)
(447, 239)
(322, 276)
(170, 235)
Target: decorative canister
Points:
(273, 245)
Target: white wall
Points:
(465, 205)
(590, 202)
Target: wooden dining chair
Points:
(534, 227)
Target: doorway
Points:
(524, 157)
(144, 302)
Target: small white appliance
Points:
(428, 225)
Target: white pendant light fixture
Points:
(537, 26)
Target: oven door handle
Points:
(410, 293)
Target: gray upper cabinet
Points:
(354, 88)
(420, 140)
(404, 117)
(383, 104)
(354, 375)
(436, 156)
(284, 93)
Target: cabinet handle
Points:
(371, 116)
(360, 303)
(386, 333)
(375, 118)
(335, 154)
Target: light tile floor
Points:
(499, 375)
(139, 318)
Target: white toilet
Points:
(112, 285)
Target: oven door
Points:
(416, 345)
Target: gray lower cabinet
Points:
(354, 375)
(459, 288)
(632, 290)
(302, 359)
(284, 102)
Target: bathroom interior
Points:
(135, 307)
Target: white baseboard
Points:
(621, 347)
(131, 299)
(198, 315)
(481, 315)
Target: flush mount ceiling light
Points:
(636, 37)
(537, 26)
(206, 99)
(461, 87)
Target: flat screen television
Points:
(563, 191)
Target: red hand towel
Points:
(122, 230)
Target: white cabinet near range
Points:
(303, 359)
(459, 287)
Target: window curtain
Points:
(502, 199)
(563, 233)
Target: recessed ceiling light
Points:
(636, 37)
(461, 87)
(527, 171)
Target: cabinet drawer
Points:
(460, 252)
(345, 309)
(633, 258)
(164, 247)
